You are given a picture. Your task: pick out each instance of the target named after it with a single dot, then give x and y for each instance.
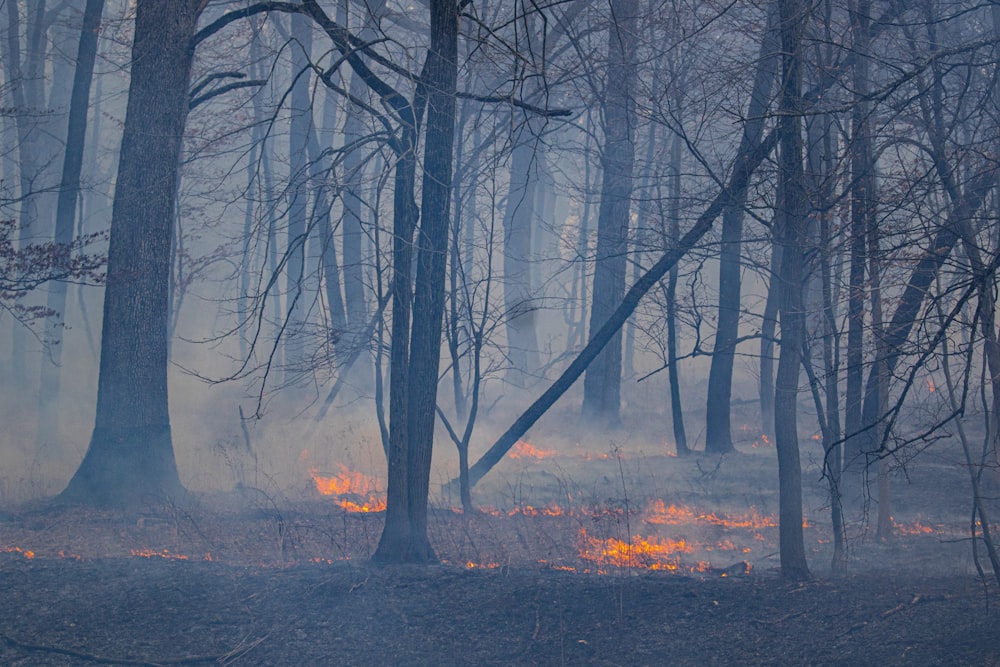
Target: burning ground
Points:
(575, 555)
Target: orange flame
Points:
(915, 528)
(525, 450)
(661, 514)
(27, 553)
(360, 486)
(652, 552)
(149, 553)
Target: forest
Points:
(499, 332)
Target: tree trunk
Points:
(518, 282)
(863, 210)
(718, 427)
(131, 455)
(742, 168)
(674, 233)
(353, 263)
(602, 382)
(791, 221)
(300, 107)
(69, 194)
(440, 76)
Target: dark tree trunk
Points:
(131, 454)
(768, 329)
(863, 203)
(69, 192)
(791, 221)
(603, 380)
(718, 427)
(674, 233)
(440, 76)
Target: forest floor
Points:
(574, 557)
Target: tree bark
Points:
(440, 76)
(718, 427)
(791, 221)
(603, 380)
(66, 204)
(131, 456)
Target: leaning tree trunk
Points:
(131, 454)
(603, 380)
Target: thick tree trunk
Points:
(131, 456)
(603, 380)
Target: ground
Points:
(580, 556)
(160, 611)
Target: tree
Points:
(69, 192)
(791, 234)
(131, 456)
(718, 429)
(404, 538)
(602, 382)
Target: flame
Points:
(149, 553)
(530, 510)
(360, 486)
(525, 450)
(27, 553)
(661, 514)
(915, 528)
(930, 386)
(652, 552)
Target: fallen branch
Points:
(745, 164)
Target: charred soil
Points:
(161, 611)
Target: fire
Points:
(525, 450)
(27, 553)
(530, 510)
(652, 553)
(164, 553)
(930, 385)
(915, 528)
(661, 514)
(361, 488)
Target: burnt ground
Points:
(158, 611)
(539, 576)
